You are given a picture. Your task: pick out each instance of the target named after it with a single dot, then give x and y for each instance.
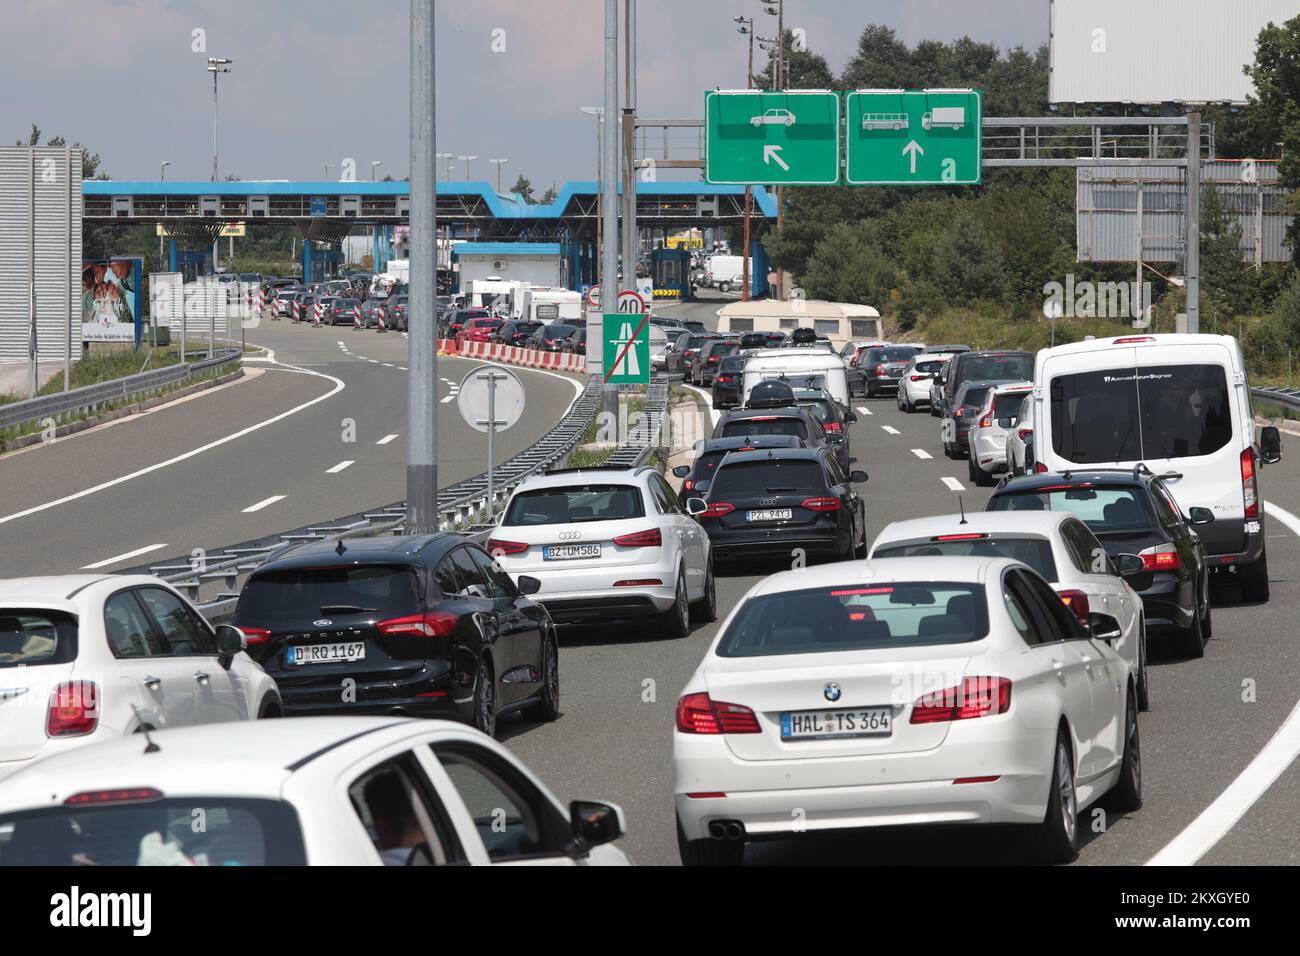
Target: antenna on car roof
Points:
(149, 746)
(340, 548)
(962, 505)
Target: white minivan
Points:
(797, 362)
(1179, 404)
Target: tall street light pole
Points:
(374, 165)
(780, 79)
(599, 113)
(446, 164)
(747, 27)
(421, 396)
(467, 160)
(162, 177)
(609, 142)
(498, 163)
(216, 66)
(631, 244)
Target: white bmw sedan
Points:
(339, 791)
(1059, 547)
(896, 692)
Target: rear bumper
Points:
(1170, 603)
(989, 453)
(1252, 532)
(874, 384)
(728, 544)
(429, 691)
(606, 607)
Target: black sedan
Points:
(515, 332)
(877, 370)
(835, 420)
(551, 338)
(789, 420)
(343, 311)
(421, 625)
(1136, 520)
(710, 452)
(780, 502)
(727, 382)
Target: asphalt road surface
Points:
(1209, 718)
(266, 453)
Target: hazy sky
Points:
(315, 81)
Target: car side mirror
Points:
(703, 486)
(1199, 516)
(681, 471)
(1006, 422)
(230, 641)
(857, 477)
(1270, 444)
(528, 584)
(851, 418)
(594, 823)
(696, 506)
(1103, 627)
(1127, 565)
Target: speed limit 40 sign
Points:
(630, 302)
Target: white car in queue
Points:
(93, 656)
(987, 439)
(1064, 552)
(333, 791)
(914, 386)
(608, 544)
(901, 691)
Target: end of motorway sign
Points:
(782, 138)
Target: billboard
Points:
(110, 300)
(1157, 51)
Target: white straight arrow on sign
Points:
(771, 152)
(913, 147)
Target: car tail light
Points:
(724, 379)
(1130, 339)
(821, 504)
(986, 423)
(641, 539)
(717, 509)
(919, 378)
(713, 359)
(688, 484)
(976, 697)
(832, 427)
(1077, 602)
(1024, 433)
(74, 709)
(763, 418)
(124, 795)
(1249, 486)
(1040, 468)
(500, 546)
(1161, 557)
(698, 714)
(877, 370)
(255, 635)
(431, 624)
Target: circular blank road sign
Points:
(473, 398)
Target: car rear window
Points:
(29, 636)
(1009, 405)
(161, 832)
(1114, 415)
(557, 331)
(929, 368)
(776, 475)
(294, 593)
(1101, 508)
(764, 426)
(1029, 549)
(901, 354)
(733, 363)
(857, 617)
(1013, 368)
(975, 396)
(575, 503)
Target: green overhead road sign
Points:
(627, 348)
(772, 138)
(913, 137)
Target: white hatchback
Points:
(608, 544)
(320, 791)
(914, 386)
(95, 656)
(896, 692)
(996, 420)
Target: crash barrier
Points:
(516, 355)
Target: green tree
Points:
(847, 267)
(966, 264)
(1274, 113)
(89, 162)
(524, 187)
(1224, 277)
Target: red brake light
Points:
(1024, 433)
(833, 427)
(976, 697)
(74, 709)
(256, 635)
(986, 423)
(113, 796)
(432, 624)
(849, 592)
(500, 546)
(725, 378)
(688, 484)
(1130, 339)
(764, 418)
(1040, 468)
(717, 509)
(1077, 602)
(641, 539)
(697, 714)
(918, 378)
(1249, 489)
(972, 536)
(821, 504)
(1162, 557)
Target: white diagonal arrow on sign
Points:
(913, 147)
(771, 152)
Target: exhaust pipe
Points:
(726, 830)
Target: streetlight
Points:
(776, 8)
(162, 169)
(327, 167)
(599, 113)
(747, 28)
(467, 160)
(374, 164)
(446, 164)
(216, 65)
(499, 163)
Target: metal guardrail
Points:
(459, 506)
(643, 439)
(1287, 397)
(90, 397)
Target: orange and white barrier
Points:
(319, 311)
(518, 355)
(297, 311)
(356, 317)
(383, 314)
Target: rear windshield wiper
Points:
(344, 609)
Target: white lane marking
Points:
(386, 364)
(864, 410)
(122, 557)
(953, 484)
(264, 503)
(373, 361)
(922, 454)
(385, 440)
(339, 467)
(449, 398)
(891, 429)
(1216, 820)
(339, 385)
(402, 368)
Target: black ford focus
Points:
(422, 625)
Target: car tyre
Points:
(547, 707)
(1127, 795)
(705, 610)
(709, 852)
(676, 621)
(1058, 834)
(485, 700)
(1254, 580)
(1143, 688)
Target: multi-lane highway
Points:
(1209, 718)
(314, 430)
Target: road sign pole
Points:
(1192, 260)
(491, 428)
(609, 140)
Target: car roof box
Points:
(771, 393)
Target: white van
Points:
(1176, 403)
(726, 272)
(797, 362)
